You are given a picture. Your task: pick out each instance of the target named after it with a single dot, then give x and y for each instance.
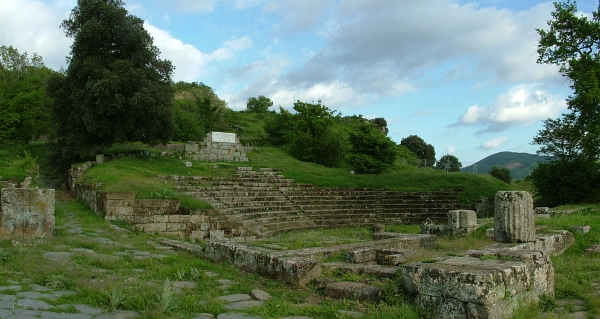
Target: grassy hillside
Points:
(519, 164)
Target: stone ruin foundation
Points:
(460, 222)
(26, 213)
(491, 282)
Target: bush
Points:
(502, 174)
(560, 182)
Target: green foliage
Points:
(449, 163)
(115, 298)
(260, 104)
(197, 111)
(560, 138)
(115, 88)
(165, 300)
(573, 43)
(309, 135)
(561, 182)
(372, 152)
(24, 105)
(501, 173)
(424, 151)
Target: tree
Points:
(258, 105)
(501, 173)
(315, 139)
(115, 89)
(573, 182)
(24, 105)
(382, 124)
(372, 151)
(560, 138)
(449, 163)
(424, 151)
(573, 43)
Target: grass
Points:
(402, 178)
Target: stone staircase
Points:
(266, 204)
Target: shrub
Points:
(502, 174)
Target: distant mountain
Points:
(520, 164)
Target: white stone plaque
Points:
(222, 137)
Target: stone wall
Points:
(26, 212)
(218, 146)
(151, 215)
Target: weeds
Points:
(116, 298)
(55, 281)
(165, 300)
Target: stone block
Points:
(394, 257)
(581, 229)
(26, 212)
(454, 219)
(155, 227)
(217, 234)
(187, 164)
(378, 228)
(159, 219)
(468, 218)
(200, 234)
(204, 226)
(353, 290)
(361, 255)
(514, 220)
(100, 158)
(542, 210)
(469, 287)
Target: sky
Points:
(460, 74)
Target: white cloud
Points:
(521, 105)
(190, 63)
(298, 15)
(494, 143)
(451, 150)
(33, 26)
(388, 47)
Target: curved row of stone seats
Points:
(268, 204)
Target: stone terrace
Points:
(267, 204)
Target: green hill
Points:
(519, 164)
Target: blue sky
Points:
(460, 74)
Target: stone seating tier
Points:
(267, 203)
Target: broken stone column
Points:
(514, 220)
(378, 228)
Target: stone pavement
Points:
(26, 300)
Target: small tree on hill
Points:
(258, 105)
(372, 151)
(424, 151)
(449, 163)
(501, 173)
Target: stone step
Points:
(367, 269)
(272, 220)
(353, 290)
(257, 209)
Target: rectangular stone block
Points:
(217, 234)
(26, 212)
(394, 257)
(454, 219)
(468, 218)
(361, 255)
(155, 228)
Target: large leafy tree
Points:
(24, 105)
(372, 152)
(449, 163)
(426, 152)
(573, 43)
(115, 89)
